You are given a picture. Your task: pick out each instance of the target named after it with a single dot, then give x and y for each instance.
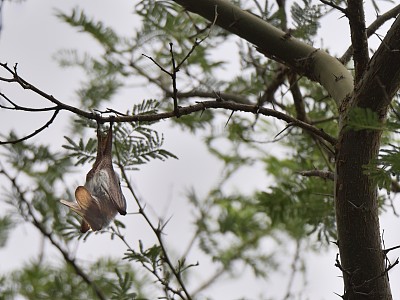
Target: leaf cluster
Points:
(385, 169)
(41, 280)
(44, 172)
(231, 227)
(134, 143)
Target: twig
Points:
(211, 94)
(24, 108)
(296, 258)
(173, 77)
(198, 42)
(383, 273)
(158, 232)
(176, 67)
(318, 173)
(386, 251)
(35, 132)
(392, 13)
(165, 283)
(339, 265)
(199, 106)
(333, 5)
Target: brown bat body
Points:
(101, 198)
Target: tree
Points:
(336, 120)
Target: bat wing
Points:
(116, 195)
(95, 215)
(73, 206)
(76, 208)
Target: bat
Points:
(101, 198)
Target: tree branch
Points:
(318, 173)
(297, 98)
(382, 79)
(199, 106)
(333, 5)
(372, 29)
(23, 108)
(359, 39)
(316, 64)
(214, 94)
(37, 131)
(158, 233)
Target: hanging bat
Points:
(99, 200)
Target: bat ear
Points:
(83, 197)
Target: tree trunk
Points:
(362, 258)
(361, 255)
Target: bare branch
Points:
(386, 251)
(24, 108)
(158, 65)
(359, 38)
(213, 94)
(33, 133)
(199, 106)
(372, 29)
(158, 232)
(198, 42)
(173, 77)
(318, 173)
(270, 41)
(26, 85)
(297, 98)
(335, 6)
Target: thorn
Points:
(226, 124)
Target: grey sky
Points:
(31, 35)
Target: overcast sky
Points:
(31, 35)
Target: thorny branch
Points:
(333, 5)
(318, 173)
(158, 232)
(199, 106)
(37, 223)
(380, 20)
(176, 67)
(383, 273)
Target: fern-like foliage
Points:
(306, 18)
(134, 143)
(103, 34)
(364, 119)
(41, 280)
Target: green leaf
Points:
(363, 118)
